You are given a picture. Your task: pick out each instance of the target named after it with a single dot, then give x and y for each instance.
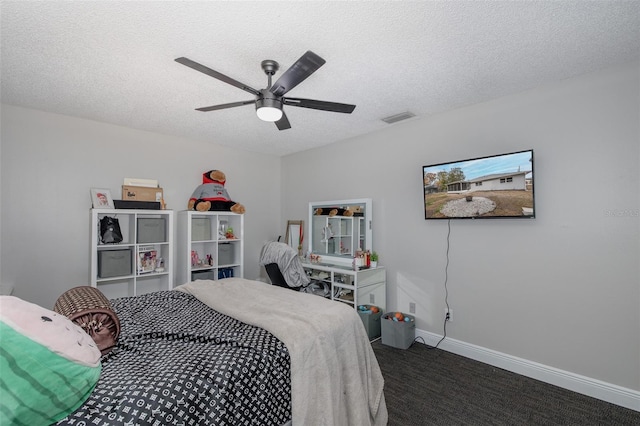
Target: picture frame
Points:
(147, 259)
(101, 198)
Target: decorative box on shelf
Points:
(143, 193)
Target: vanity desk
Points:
(362, 287)
(337, 231)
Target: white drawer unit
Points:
(362, 287)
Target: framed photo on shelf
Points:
(101, 198)
(147, 257)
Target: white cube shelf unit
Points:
(142, 262)
(204, 250)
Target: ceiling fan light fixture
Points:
(269, 113)
(269, 109)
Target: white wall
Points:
(49, 163)
(561, 290)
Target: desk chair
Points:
(283, 266)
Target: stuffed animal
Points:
(335, 211)
(212, 195)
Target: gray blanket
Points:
(335, 377)
(288, 263)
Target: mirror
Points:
(337, 229)
(295, 235)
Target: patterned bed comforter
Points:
(179, 362)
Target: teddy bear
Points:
(212, 195)
(333, 212)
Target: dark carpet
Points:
(426, 386)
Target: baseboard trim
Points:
(608, 392)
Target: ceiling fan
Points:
(269, 102)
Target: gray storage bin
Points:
(200, 229)
(151, 230)
(203, 275)
(371, 321)
(399, 334)
(225, 254)
(114, 263)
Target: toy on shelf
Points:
(211, 195)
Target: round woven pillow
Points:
(89, 308)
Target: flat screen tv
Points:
(497, 186)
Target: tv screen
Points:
(497, 186)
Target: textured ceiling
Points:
(113, 61)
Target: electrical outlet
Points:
(412, 308)
(448, 314)
(372, 298)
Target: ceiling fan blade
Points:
(297, 73)
(283, 123)
(321, 105)
(215, 74)
(224, 106)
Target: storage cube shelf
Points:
(205, 252)
(142, 262)
(367, 286)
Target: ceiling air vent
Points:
(398, 117)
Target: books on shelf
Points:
(147, 258)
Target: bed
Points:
(236, 352)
